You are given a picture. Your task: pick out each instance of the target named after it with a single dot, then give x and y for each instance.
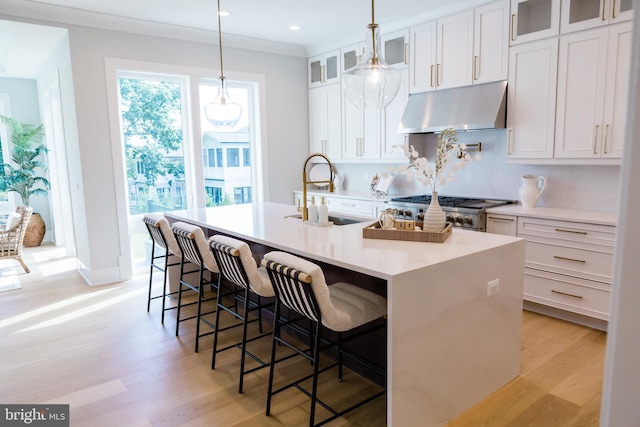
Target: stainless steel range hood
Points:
(482, 106)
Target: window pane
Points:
(233, 157)
(219, 157)
(246, 157)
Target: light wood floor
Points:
(98, 350)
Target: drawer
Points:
(566, 293)
(349, 206)
(502, 224)
(577, 262)
(580, 232)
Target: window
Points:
(246, 157)
(233, 157)
(242, 194)
(219, 157)
(211, 157)
(215, 194)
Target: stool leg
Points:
(153, 250)
(276, 333)
(340, 356)
(179, 296)
(200, 295)
(164, 285)
(259, 314)
(316, 365)
(215, 330)
(243, 350)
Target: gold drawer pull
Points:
(571, 231)
(501, 219)
(569, 259)
(566, 294)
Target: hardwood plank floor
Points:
(98, 349)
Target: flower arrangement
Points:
(451, 157)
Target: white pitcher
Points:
(532, 188)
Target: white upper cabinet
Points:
(423, 58)
(324, 121)
(324, 69)
(454, 50)
(490, 43)
(533, 20)
(531, 102)
(395, 49)
(593, 84)
(351, 56)
(391, 116)
(584, 14)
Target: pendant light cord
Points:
(373, 34)
(220, 42)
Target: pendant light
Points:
(372, 84)
(222, 113)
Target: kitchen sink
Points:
(337, 220)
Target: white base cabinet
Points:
(568, 264)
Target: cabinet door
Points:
(531, 102)
(391, 117)
(324, 69)
(580, 104)
(584, 14)
(621, 10)
(325, 133)
(455, 50)
(491, 43)
(534, 19)
(351, 56)
(423, 58)
(395, 49)
(617, 89)
(361, 130)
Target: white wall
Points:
(286, 116)
(581, 187)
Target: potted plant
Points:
(23, 174)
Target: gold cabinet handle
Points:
(566, 294)
(323, 73)
(431, 77)
(438, 82)
(603, 12)
(501, 219)
(606, 134)
(613, 10)
(475, 67)
(595, 138)
(513, 24)
(569, 259)
(406, 61)
(509, 143)
(562, 230)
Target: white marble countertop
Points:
(344, 246)
(562, 214)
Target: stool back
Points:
(293, 288)
(194, 245)
(161, 233)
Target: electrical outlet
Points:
(493, 287)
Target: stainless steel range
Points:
(464, 212)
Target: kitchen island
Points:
(454, 308)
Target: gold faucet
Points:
(305, 213)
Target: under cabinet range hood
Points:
(476, 107)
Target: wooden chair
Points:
(12, 236)
(300, 285)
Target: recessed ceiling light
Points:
(224, 13)
(295, 27)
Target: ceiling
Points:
(322, 21)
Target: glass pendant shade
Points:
(223, 113)
(372, 84)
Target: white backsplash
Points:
(579, 187)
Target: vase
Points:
(434, 217)
(531, 190)
(35, 231)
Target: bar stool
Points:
(163, 246)
(300, 285)
(195, 249)
(238, 266)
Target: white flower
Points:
(451, 157)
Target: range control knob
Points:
(407, 212)
(401, 212)
(449, 218)
(420, 217)
(468, 220)
(459, 219)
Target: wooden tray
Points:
(374, 231)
